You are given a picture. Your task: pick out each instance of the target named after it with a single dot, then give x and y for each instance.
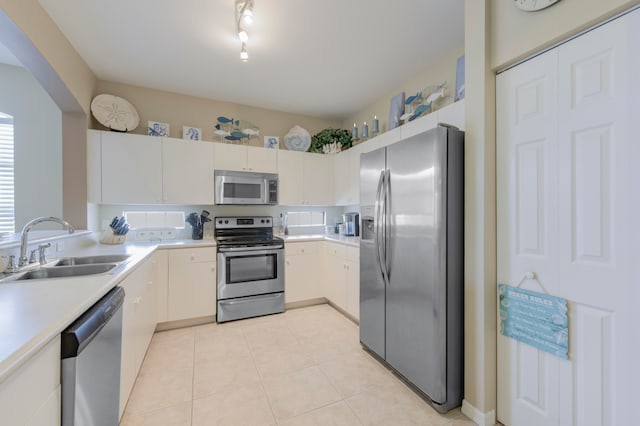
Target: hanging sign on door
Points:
(537, 319)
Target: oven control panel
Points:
(243, 222)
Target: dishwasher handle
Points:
(82, 331)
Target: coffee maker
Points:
(351, 222)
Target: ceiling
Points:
(327, 59)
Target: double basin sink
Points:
(68, 267)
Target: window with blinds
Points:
(7, 208)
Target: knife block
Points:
(108, 237)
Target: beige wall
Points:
(182, 110)
(442, 70)
(516, 34)
(480, 227)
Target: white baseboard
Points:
(480, 418)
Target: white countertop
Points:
(32, 312)
(336, 238)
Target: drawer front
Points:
(245, 307)
(193, 255)
(338, 250)
(301, 249)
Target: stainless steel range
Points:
(250, 268)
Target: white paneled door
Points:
(568, 186)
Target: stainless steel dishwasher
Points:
(91, 364)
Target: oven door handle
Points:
(235, 250)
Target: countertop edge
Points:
(333, 238)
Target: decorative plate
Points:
(115, 113)
(298, 139)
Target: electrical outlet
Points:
(142, 235)
(169, 234)
(59, 246)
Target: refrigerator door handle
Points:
(387, 224)
(378, 217)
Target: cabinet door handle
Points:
(192, 258)
(301, 250)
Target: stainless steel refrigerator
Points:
(411, 261)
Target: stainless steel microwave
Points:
(246, 187)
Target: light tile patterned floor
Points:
(303, 367)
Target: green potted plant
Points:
(330, 141)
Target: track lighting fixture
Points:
(244, 16)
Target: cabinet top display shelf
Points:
(126, 168)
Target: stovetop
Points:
(245, 231)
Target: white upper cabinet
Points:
(139, 169)
(318, 179)
(262, 160)
(187, 171)
(290, 169)
(419, 125)
(383, 139)
(131, 169)
(347, 176)
(305, 179)
(453, 114)
(94, 167)
(245, 158)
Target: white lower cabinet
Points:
(342, 277)
(160, 262)
(31, 395)
(303, 271)
(139, 318)
(352, 267)
(192, 283)
(335, 285)
(323, 269)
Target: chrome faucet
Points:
(23, 260)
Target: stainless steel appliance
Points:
(250, 268)
(233, 187)
(90, 353)
(351, 222)
(411, 261)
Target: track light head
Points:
(244, 55)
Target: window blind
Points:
(7, 206)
